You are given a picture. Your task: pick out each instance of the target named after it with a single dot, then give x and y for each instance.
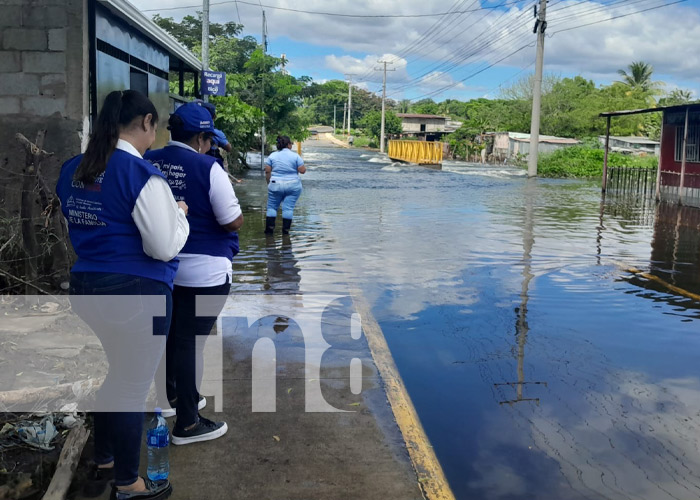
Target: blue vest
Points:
(188, 175)
(102, 230)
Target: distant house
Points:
(452, 125)
(632, 145)
(508, 145)
(678, 174)
(426, 127)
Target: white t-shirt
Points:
(197, 270)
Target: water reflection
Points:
(522, 328)
(675, 247)
(282, 272)
(445, 258)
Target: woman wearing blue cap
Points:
(282, 169)
(205, 261)
(126, 228)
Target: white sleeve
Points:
(222, 197)
(163, 226)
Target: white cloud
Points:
(666, 38)
(369, 67)
(437, 80)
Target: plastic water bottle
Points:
(158, 439)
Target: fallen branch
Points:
(7, 243)
(37, 288)
(67, 464)
(8, 399)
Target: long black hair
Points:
(120, 108)
(283, 142)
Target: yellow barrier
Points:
(420, 152)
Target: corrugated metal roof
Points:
(136, 18)
(680, 107)
(412, 115)
(520, 137)
(633, 139)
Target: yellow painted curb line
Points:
(431, 477)
(660, 281)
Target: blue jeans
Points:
(131, 317)
(285, 193)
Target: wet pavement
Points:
(539, 367)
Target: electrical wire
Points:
(465, 53)
(334, 14)
(447, 87)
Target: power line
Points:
(465, 53)
(470, 52)
(404, 52)
(335, 14)
(447, 87)
(619, 16)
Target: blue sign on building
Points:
(213, 83)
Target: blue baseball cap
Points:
(195, 118)
(208, 106)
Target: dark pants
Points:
(131, 317)
(184, 359)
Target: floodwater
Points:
(539, 366)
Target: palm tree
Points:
(404, 106)
(638, 77)
(681, 96)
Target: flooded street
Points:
(540, 367)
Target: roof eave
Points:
(129, 12)
(629, 112)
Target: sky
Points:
(465, 49)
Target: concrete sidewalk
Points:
(291, 453)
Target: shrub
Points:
(587, 162)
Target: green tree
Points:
(638, 77)
(404, 106)
(189, 31)
(677, 97)
(240, 113)
(425, 107)
(372, 124)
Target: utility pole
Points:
(205, 41)
(263, 138)
(334, 119)
(345, 110)
(349, 76)
(540, 27)
(381, 134)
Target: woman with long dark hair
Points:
(205, 262)
(282, 169)
(126, 228)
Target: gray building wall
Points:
(43, 85)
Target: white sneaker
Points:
(171, 412)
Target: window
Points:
(692, 151)
(139, 81)
(422, 127)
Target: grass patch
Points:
(584, 162)
(361, 142)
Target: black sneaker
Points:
(156, 490)
(205, 430)
(97, 481)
